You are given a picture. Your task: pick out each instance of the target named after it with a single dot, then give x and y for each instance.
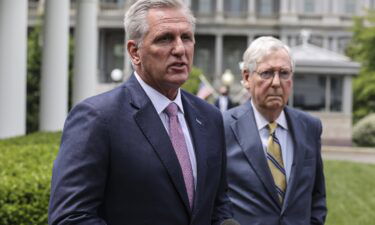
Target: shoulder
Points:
(307, 119)
(102, 105)
(236, 112)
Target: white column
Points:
(328, 94)
(336, 7)
(284, 9)
(293, 40)
(219, 10)
(13, 39)
(331, 10)
(188, 3)
(288, 11)
(294, 6)
(326, 42)
(347, 95)
(54, 84)
(85, 52)
(284, 38)
(218, 56)
(250, 39)
(128, 68)
(251, 17)
(335, 44)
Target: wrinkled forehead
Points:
(275, 58)
(159, 16)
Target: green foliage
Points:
(362, 49)
(192, 84)
(25, 176)
(26, 165)
(34, 63)
(34, 54)
(364, 131)
(350, 193)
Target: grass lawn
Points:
(27, 161)
(350, 193)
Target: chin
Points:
(275, 105)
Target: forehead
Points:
(164, 18)
(275, 58)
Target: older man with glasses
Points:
(275, 170)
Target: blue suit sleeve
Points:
(80, 169)
(223, 205)
(318, 207)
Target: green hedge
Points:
(25, 175)
(26, 165)
(364, 131)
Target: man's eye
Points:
(284, 74)
(166, 38)
(266, 74)
(186, 38)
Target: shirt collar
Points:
(159, 101)
(262, 122)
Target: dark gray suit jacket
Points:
(251, 187)
(116, 164)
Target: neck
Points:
(270, 115)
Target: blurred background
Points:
(56, 53)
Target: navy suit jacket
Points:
(251, 186)
(116, 164)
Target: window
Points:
(233, 51)
(111, 53)
(235, 7)
(309, 92)
(309, 6)
(204, 7)
(336, 94)
(204, 54)
(350, 7)
(267, 8)
(372, 4)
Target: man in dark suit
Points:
(275, 171)
(224, 102)
(147, 152)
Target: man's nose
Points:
(178, 48)
(276, 79)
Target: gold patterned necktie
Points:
(275, 161)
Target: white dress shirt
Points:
(282, 134)
(160, 102)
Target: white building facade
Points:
(224, 30)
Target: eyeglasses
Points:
(268, 74)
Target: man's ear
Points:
(132, 48)
(245, 79)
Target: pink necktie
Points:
(178, 141)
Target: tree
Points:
(34, 63)
(34, 54)
(192, 84)
(362, 49)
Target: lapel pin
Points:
(198, 121)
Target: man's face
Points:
(165, 56)
(272, 93)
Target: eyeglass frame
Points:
(270, 73)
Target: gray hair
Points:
(135, 21)
(259, 48)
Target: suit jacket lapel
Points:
(149, 122)
(246, 132)
(196, 127)
(298, 132)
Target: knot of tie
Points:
(272, 126)
(171, 109)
